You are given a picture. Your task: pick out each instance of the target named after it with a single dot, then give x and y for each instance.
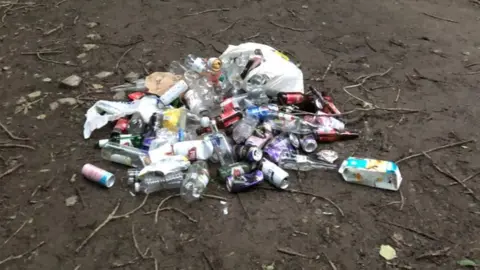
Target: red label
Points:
(227, 105)
(192, 153)
(121, 125)
(136, 95)
(294, 98)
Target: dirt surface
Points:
(432, 61)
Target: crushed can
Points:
(371, 172)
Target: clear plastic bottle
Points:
(125, 155)
(292, 161)
(152, 182)
(195, 63)
(195, 182)
(221, 146)
(177, 68)
(136, 125)
(136, 86)
(291, 124)
(244, 129)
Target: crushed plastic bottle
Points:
(195, 181)
(153, 182)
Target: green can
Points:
(235, 169)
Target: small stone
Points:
(72, 81)
(466, 53)
(47, 79)
(67, 100)
(89, 47)
(94, 36)
(120, 96)
(21, 100)
(97, 86)
(132, 77)
(71, 201)
(36, 75)
(34, 95)
(73, 178)
(91, 25)
(82, 55)
(305, 6)
(104, 74)
(54, 105)
(41, 116)
(5, 68)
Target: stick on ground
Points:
(226, 28)
(161, 203)
(411, 230)
(290, 28)
(19, 256)
(122, 56)
(14, 145)
(172, 209)
(11, 170)
(291, 252)
(207, 11)
(109, 218)
(17, 231)
(10, 134)
(435, 149)
(465, 180)
(439, 18)
(364, 79)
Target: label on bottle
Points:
(192, 153)
(174, 92)
(117, 158)
(198, 65)
(294, 98)
(301, 159)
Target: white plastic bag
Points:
(283, 75)
(104, 111)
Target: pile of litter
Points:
(246, 110)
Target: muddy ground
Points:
(432, 47)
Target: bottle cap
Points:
(136, 187)
(205, 122)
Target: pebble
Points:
(94, 36)
(53, 106)
(104, 74)
(132, 77)
(72, 81)
(67, 100)
(5, 68)
(46, 79)
(71, 201)
(89, 47)
(97, 86)
(91, 24)
(120, 96)
(36, 75)
(82, 55)
(34, 95)
(41, 116)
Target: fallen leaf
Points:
(72, 200)
(388, 252)
(467, 262)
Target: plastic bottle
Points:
(244, 129)
(155, 123)
(292, 161)
(136, 86)
(125, 155)
(178, 88)
(195, 63)
(136, 125)
(152, 182)
(291, 124)
(221, 146)
(195, 182)
(176, 67)
(194, 150)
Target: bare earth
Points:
(433, 71)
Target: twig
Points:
(329, 261)
(397, 265)
(226, 28)
(208, 261)
(54, 62)
(51, 31)
(143, 255)
(121, 57)
(439, 18)
(11, 170)
(215, 197)
(421, 76)
(326, 71)
(109, 218)
(402, 199)
(77, 267)
(19, 256)
(173, 209)
(139, 39)
(17, 231)
(436, 253)
(192, 38)
(398, 95)
(308, 194)
(411, 230)
(35, 191)
(13, 145)
(41, 52)
(80, 196)
(364, 78)
(10, 134)
(290, 28)
(299, 232)
(59, 3)
(207, 11)
(288, 251)
(451, 176)
(119, 264)
(465, 180)
(472, 64)
(398, 43)
(161, 203)
(434, 149)
(369, 45)
(243, 206)
(253, 36)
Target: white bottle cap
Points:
(136, 187)
(204, 122)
